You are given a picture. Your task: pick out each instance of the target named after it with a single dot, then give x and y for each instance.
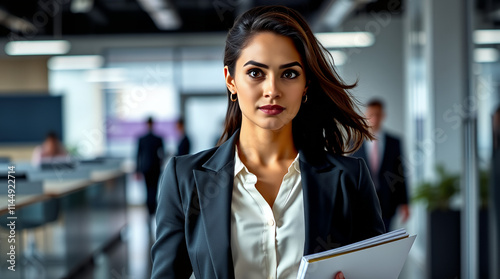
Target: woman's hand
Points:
(339, 275)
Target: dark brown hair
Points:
(329, 119)
(376, 103)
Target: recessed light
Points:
(485, 55)
(53, 47)
(346, 39)
(487, 36)
(78, 62)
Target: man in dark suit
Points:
(184, 145)
(150, 153)
(383, 157)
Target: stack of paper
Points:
(382, 256)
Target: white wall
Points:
(446, 65)
(379, 68)
(203, 77)
(204, 121)
(83, 112)
(203, 73)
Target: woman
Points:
(51, 150)
(277, 187)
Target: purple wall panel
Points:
(126, 130)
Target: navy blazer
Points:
(390, 178)
(194, 210)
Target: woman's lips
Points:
(272, 109)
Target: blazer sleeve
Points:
(169, 253)
(368, 212)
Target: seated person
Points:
(51, 150)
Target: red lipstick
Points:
(272, 109)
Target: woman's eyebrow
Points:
(251, 62)
(290, 65)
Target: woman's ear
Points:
(229, 80)
(305, 88)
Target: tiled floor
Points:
(128, 258)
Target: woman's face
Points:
(269, 80)
(50, 147)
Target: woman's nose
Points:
(271, 89)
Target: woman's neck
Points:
(265, 147)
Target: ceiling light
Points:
(37, 47)
(151, 5)
(162, 13)
(346, 39)
(106, 75)
(336, 12)
(15, 23)
(81, 6)
(80, 62)
(487, 37)
(485, 55)
(339, 57)
(166, 19)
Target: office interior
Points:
(94, 70)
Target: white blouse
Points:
(267, 242)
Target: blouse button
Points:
(270, 222)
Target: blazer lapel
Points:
(320, 180)
(319, 183)
(214, 186)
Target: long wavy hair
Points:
(329, 120)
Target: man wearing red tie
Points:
(384, 160)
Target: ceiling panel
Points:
(55, 17)
(30, 19)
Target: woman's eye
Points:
(254, 73)
(290, 74)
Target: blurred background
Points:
(79, 79)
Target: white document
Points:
(381, 257)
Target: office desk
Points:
(57, 188)
(21, 201)
(73, 220)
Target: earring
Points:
(235, 97)
(304, 99)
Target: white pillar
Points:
(449, 47)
